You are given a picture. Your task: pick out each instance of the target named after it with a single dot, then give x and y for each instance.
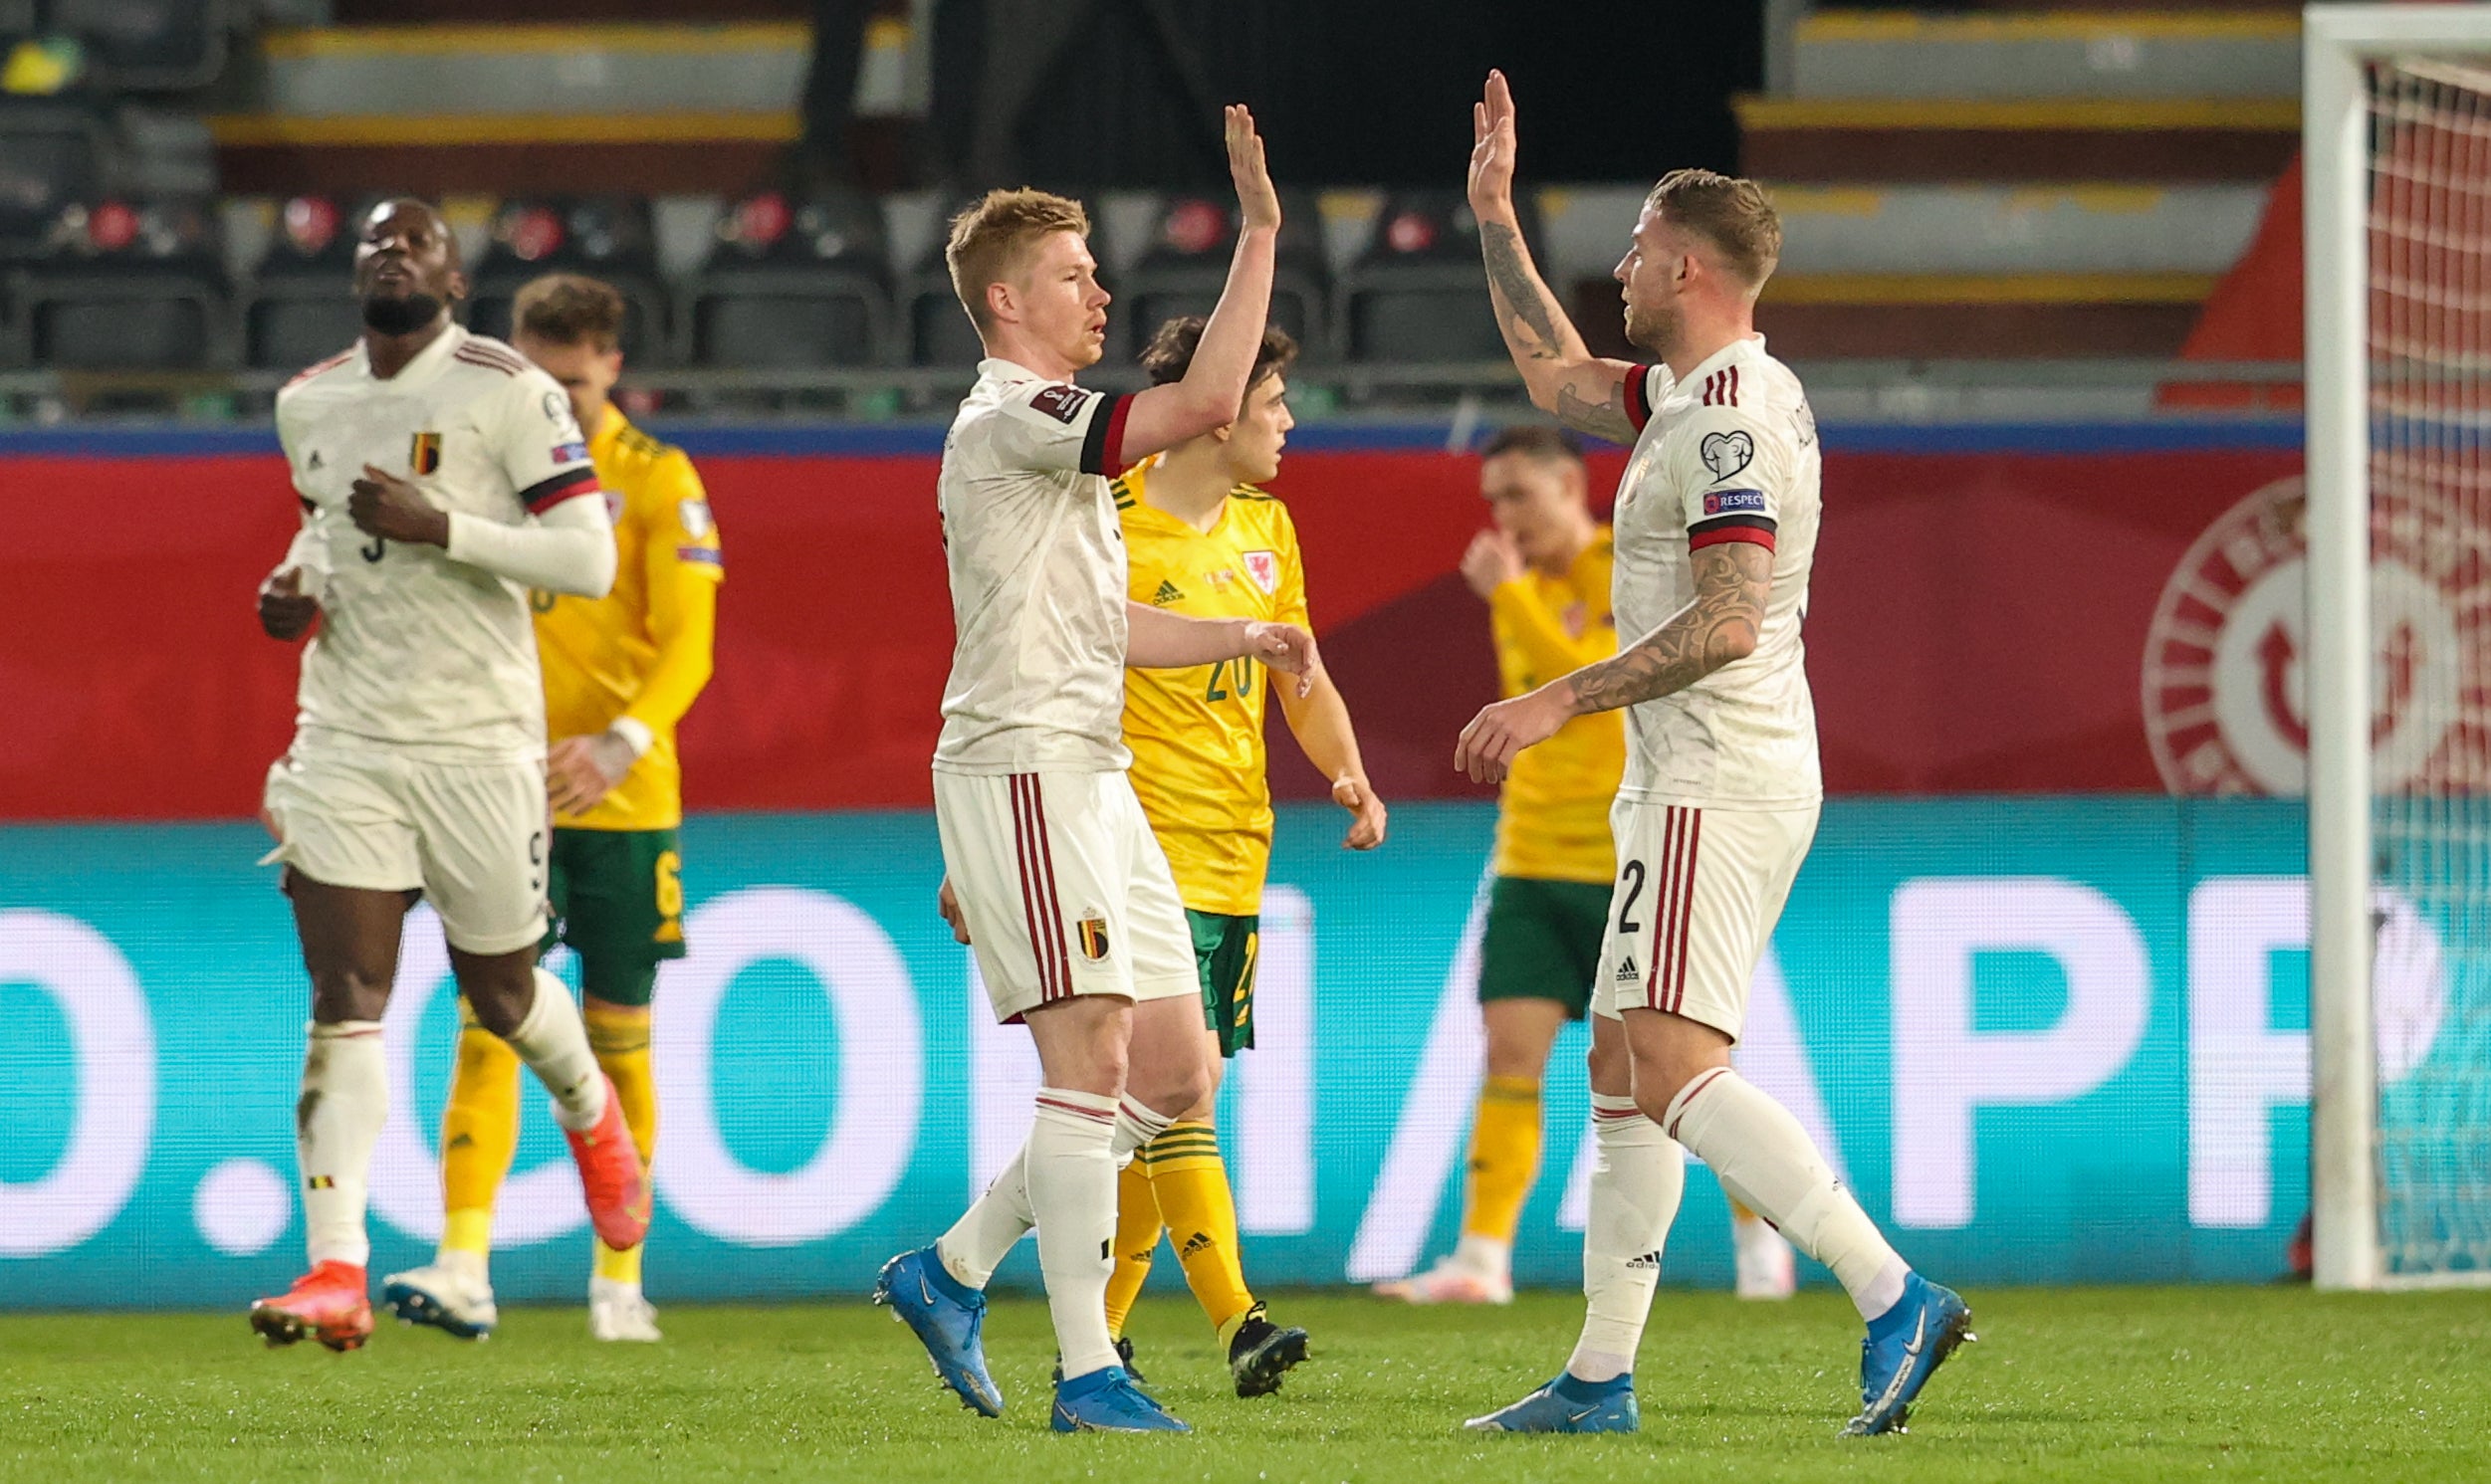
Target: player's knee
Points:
(1612, 1070)
(498, 1003)
(1173, 1090)
(342, 995)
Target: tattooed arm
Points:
(1721, 627)
(1586, 393)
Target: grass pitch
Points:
(2098, 1385)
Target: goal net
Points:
(2399, 626)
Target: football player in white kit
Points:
(1051, 872)
(441, 477)
(1715, 527)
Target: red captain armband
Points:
(1756, 528)
(1102, 447)
(571, 484)
(1639, 397)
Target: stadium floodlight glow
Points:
(2396, 152)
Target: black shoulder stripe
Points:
(1102, 443)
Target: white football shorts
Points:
(1699, 890)
(472, 836)
(1065, 886)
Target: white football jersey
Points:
(1729, 454)
(416, 652)
(1037, 572)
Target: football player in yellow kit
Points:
(619, 673)
(1205, 541)
(1542, 568)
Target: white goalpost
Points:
(2396, 154)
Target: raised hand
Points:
(1258, 204)
(1492, 150)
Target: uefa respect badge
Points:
(2225, 687)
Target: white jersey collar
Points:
(428, 361)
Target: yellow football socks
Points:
(620, 1038)
(479, 1135)
(1504, 1158)
(1191, 1183)
(1137, 1240)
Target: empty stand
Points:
(792, 287)
(300, 307)
(1186, 267)
(1415, 293)
(607, 238)
(127, 287)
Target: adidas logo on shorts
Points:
(1626, 972)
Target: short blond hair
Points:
(990, 238)
(570, 308)
(1729, 212)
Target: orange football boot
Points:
(329, 1304)
(610, 1172)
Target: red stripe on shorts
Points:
(1050, 910)
(1687, 909)
(1030, 894)
(1663, 895)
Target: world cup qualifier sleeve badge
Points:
(2224, 678)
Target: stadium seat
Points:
(127, 288)
(145, 46)
(1186, 265)
(1415, 293)
(939, 332)
(50, 153)
(605, 239)
(300, 305)
(793, 286)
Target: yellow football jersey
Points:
(1197, 734)
(610, 657)
(1553, 823)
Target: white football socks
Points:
(1136, 1126)
(1635, 1188)
(553, 1043)
(336, 1121)
(1073, 1190)
(1764, 1159)
(979, 1241)
(984, 1235)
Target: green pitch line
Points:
(2089, 1384)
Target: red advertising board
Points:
(1978, 621)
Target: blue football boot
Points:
(1568, 1405)
(950, 1318)
(1107, 1400)
(1905, 1347)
